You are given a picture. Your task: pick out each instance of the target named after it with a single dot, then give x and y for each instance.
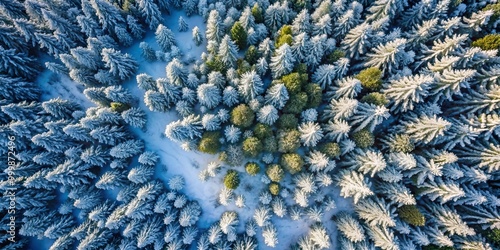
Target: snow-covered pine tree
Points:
(270, 235)
(262, 216)
(350, 227)
(348, 20)
(150, 232)
(390, 56)
(228, 51)
(315, 50)
(147, 52)
(405, 92)
(197, 36)
(268, 114)
(165, 38)
(383, 237)
(445, 191)
(276, 16)
(425, 129)
(215, 27)
(250, 85)
(375, 212)
(302, 22)
(189, 214)
(397, 193)
(368, 116)
(182, 25)
(283, 61)
(209, 95)
(109, 15)
(119, 64)
(311, 133)
(357, 40)
(176, 72)
(449, 220)
(17, 64)
(353, 185)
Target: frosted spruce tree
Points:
(283, 62)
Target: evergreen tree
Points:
(449, 220)
(109, 16)
(156, 101)
(150, 232)
(59, 108)
(323, 26)
(88, 26)
(197, 36)
(261, 216)
(270, 235)
(301, 23)
(111, 180)
(121, 65)
(353, 185)
(127, 149)
(230, 96)
(316, 51)
(407, 91)
(228, 51)
(425, 129)
(165, 38)
(350, 227)
(445, 191)
(301, 46)
(147, 52)
(268, 114)
(357, 40)
(382, 237)
(17, 64)
(368, 116)
(176, 72)
(187, 128)
(135, 27)
(250, 85)
(325, 75)
(86, 57)
(346, 87)
(283, 62)
(150, 12)
(119, 94)
(397, 192)
(375, 212)
(247, 20)
(124, 37)
(215, 27)
(442, 47)
(190, 214)
(239, 35)
(450, 82)
(209, 95)
(389, 56)
(140, 174)
(348, 20)
(276, 16)
(311, 134)
(183, 26)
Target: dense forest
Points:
(391, 106)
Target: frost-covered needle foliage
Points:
(394, 105)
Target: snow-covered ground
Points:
(176, 161)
